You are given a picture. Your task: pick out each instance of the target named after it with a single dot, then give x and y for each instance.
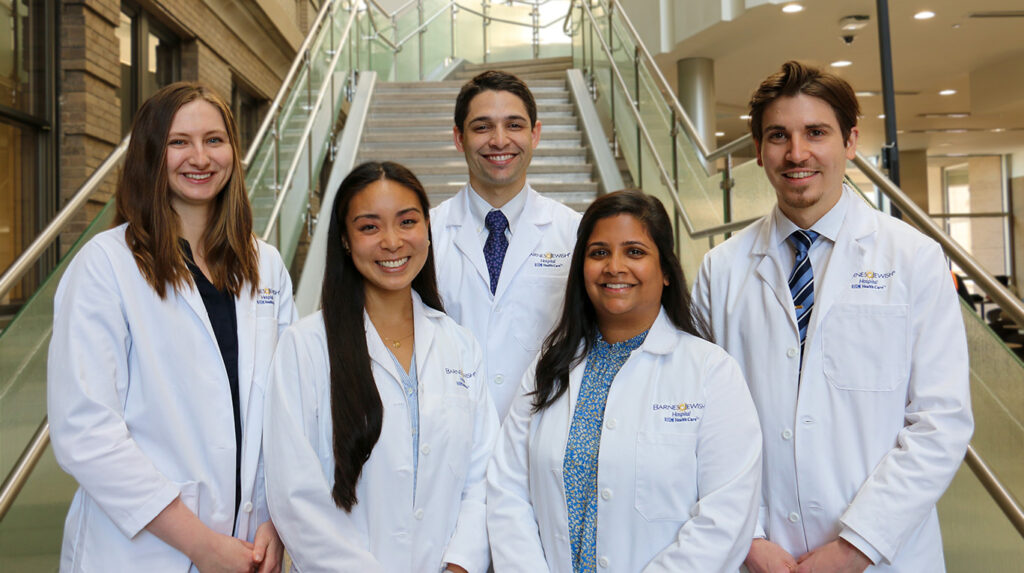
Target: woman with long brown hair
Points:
(164, 327)
(378, 423)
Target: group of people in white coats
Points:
(497, 381)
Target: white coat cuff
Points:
(140, 518)
(862, 545)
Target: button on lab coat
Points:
(678, 470)
(510, 324)
(140, 406)
(871, 437)
(391, 528)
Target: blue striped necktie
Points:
(801, 281)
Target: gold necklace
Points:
(396, 342)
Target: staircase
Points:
(411, 123)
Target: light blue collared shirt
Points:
(821, 250)
(513, 210)
(410, 391)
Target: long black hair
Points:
(356, 410)
(562, 350)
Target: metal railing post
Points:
(535, 24)
(451, 28)
(419, 17)
(485, 8)
(636, 103)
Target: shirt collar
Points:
(479, 208)
(827, 226)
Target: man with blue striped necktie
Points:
(849, 334)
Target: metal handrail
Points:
(275, 107)
(18, 475)
(41, 243)
(1002, 496)
(1010, 304)
(307, 131)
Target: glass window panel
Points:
(23, 55)
(18, 200)
(124, 38)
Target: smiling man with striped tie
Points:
(849, 333)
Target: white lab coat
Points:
(510, 324)
(140, 406)
(388, 529)
(678, 472)
(876, 429)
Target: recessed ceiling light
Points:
(744, 116)
(841, 63)
(866, 94)
(792, 8)
(998, 130)
(719, 134)
(924, 15)
(947, 92)
(944, 115)
(881, 116)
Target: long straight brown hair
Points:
(144, 202)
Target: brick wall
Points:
(89, 105)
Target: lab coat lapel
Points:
(195, 302)
(378, 352)
(531, 225)
(424, 331)
(849, 252)
(770, 270)
(467, 238)
(245, 318)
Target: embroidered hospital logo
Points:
(680, 412)
(461, 377)
(871, 280)
(266, 295)
(549, 259)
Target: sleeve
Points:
(468, 546)
(319, 536)
(910, 479)
(511, 522)
(702, 309)
(717, 536)
(87, 377)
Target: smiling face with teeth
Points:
(623, 276)
(498, 143)
(387, 235)
(804, 156)
(199, 156)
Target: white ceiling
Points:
(950, 51)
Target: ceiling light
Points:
(950, 115)
(947, 92)
(744, 116)
(792, 8)
(841, 63)
(719, 134)
(854, 22)
(881, 116)
(998, 130)
(924, 15)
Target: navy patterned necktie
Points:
(496, 245)
(801, 280)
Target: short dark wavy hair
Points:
(795, 78)
(493, 80)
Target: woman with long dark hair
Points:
(163, 331)
(379, 426)
(634, 444)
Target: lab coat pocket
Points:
(866, 346)
(666, 475)
(459, 418)
(539, 310)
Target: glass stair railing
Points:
(668, 160)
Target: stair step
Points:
(458, 168)
(445, 122)
(449, 152)
(455, 85)
(449, 107)
(442, 137)
(553, 94)
(550, 75)
(564, 62)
